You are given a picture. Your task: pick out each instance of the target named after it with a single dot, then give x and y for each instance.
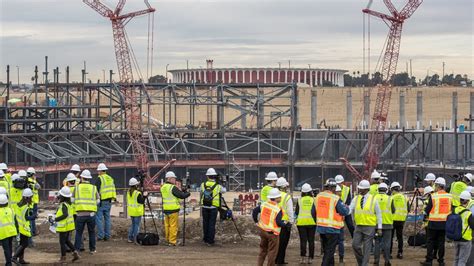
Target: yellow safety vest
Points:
(471, 203)
(374, 189)
(8, 177)
(67, 224)
(456, 189)
(134, 209)
(264, 193)
(345, 193)
(35, 199)
(326, 214)
(304, 217)
(466, 229)
(4, 183)
(285, 197)
(365, 216)
(7, 223)
(401, 209)
(107, 187)
(385, 204)
(216, 200)
(268, 212)
(170, 202)
(23, 224)
(85, 197)
(15, 195)
(442, 202)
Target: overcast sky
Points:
(323, 33)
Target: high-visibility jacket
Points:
(4, 183)
(304, 217)
(216, 199)
(326, 214)
(107, 187)
(65, 225)
(35, 198)
(170, 202)
(365, 216)
(374, 189)
(442, 202)
(7, 223)
(285, 197)
(401, 209)
(345, 193)
(466, 229)
(268, 213)
(15, 195)
(134, 209)
(73, 206)
(85, 197)
(8, 177)
(456, 189)
(471, 203)
(23, 224)
(264, 193)
(385, 204)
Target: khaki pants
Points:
(171, 227)
(268, 248)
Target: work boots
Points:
(310, 261)
(303, 260)
(62, 259)
(75, 256)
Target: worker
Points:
(106, 187)
(399, 217)
(340, 241)
(305, 213)
(135, 208)
(171, 195)
(65, 223)
(429, 179)
(86, 199)
(71, 182)
(34, 186)
(437, 209)
(383, 241)
(286, 205)
(374, 182)
(15, 194)
(6, 171)
(270, 223)
(346, 197)
(368, 220)
(459, 186)
(211, 193)
(8, 229)
(427, 191)
(24, 215)
(3, 181)
(330, 212)
(463, 246)
(76, 170)
(384, 178)
(271, 180)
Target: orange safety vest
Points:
(268, 213)
(441, 206)
(326, 214)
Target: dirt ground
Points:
(230, 250)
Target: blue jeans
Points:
(81, 222)
(341, 243)
(134, 227)
(103, 214)
(209, 216)
(33, 224)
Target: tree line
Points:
(403, 79)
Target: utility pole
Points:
(18, 75)
(289, 64)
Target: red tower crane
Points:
(395, 22)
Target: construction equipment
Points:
(389, 65)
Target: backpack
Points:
(207, 195)
(454, 230)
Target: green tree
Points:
(157, 79)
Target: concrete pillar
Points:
(260, 114)
(471, 112)
(367, 108)
(455, 109)
(243, 121)
(349, 109)
(419, 109)
(402, 109)
(314, 109)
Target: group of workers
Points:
(378, 211)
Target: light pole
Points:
(18, 75)
(167, 72)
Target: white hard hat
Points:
(306, 188)
(339, 179)
(395, 184)
(330, 182)
(76, 168)
(133, 182)
(465, 195)
(274, 193)
(281, 182)
(22, 173)
(384, 176)
(2, 174)
(428, 190)
(15, 177)
(338, 188)
(211, 172)
(468, 176)
(3, 199)
(440, 181)
(102, 167)
(31, 170)
(3, 166)
(86, 174)
(430, 177)
(170, 174)
(375, 175)
(470, 189)
(3, 190)
(70, 177)
(271, 176)
(364, 184)
(383, 185)
(65, 192)
(27, 193)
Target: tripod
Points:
(415, 198)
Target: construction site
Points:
(303, 132)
